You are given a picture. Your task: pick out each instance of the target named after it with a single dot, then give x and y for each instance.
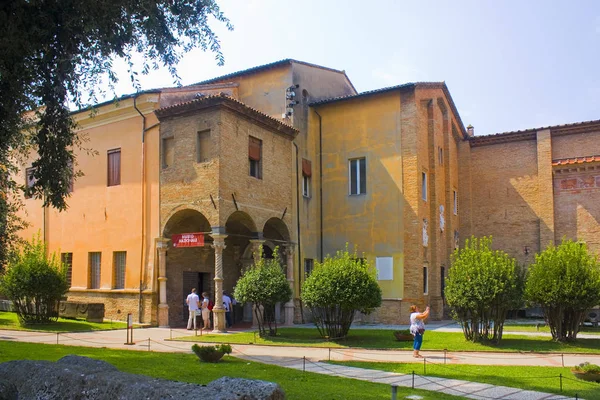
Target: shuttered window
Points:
(114, 167)
(358, 176)
(67, 260)
(306, 174)
(255, 157)
(94, 270)
(119, 263)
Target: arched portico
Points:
(183, 268)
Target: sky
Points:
(509, 64)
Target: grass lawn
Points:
(384, 339)
(542, 379)
(9, 320)
(544, 329)
(188, 368)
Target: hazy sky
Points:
(509, 65)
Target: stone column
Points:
(218, 309)
(289, 306)
(163, 307)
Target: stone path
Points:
(309, 359)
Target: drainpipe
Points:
(320, 184)
(298, 227)
(143, 198)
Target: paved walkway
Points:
(308, 359)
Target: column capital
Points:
(162, 243)
(219, 241)
(290, 248)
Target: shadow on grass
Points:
(10, 321)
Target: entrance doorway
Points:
(193, 279)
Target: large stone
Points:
(92, 312)
(75, 377)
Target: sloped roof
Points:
(404, 86)
(222, 99)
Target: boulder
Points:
(75, 377)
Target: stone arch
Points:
(277, 231)
(188, 267)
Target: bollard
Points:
(562, 356)
(413, 380)
(424, 366)
(560, 376)
(304, 364)
(129, 330)
(57, 337)
(394, 392)
(148, 344)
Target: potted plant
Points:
(403, 335)
(587, 372)
(211, 353)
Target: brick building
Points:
(289, 155)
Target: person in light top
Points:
(417, 328)
(193, 302)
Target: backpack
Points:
(210, 305)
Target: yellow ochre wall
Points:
(108, 219)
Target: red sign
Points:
(188, 240)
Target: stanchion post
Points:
(148, 344)
(413, 379)
(394, 392)
(562, 356)
(57, 333)
(560, 376)
(304, 364)
(424, 366)
(129, 329)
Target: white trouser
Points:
(192, 317)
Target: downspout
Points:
(298, 227)
(143, 198)
(320, 185)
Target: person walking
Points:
(228, 305)
(417, 328)
(193, 302)
(205, 311)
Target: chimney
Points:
(470, 130)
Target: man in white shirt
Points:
(228, 306)
(193, 304)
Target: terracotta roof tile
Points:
(576, 160)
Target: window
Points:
(119, 262)
(306, 174)
(308, 267)
(440, 155)
(30, 180)
(94, 270)
(358, 176)
(67, 260)
(455, 203)
(443, 280)
(385, 268)
(424, 185)
(203, 151)
(425, 280)
(255, 157)
(114, 167)
(168, 155)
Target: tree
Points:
(482, 286)
(35, 282)
(336, 289)
(55, 51)
(264, 284)
(565, 282)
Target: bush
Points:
(265, 285)
(336, 289)
(211, 353)
(481, 287)
(35, 283)
(565, 283)
(587, 368)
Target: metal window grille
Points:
(94, 272)
(119, 263)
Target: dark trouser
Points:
(228, 319)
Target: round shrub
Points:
(211, 353)
(336, 289)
